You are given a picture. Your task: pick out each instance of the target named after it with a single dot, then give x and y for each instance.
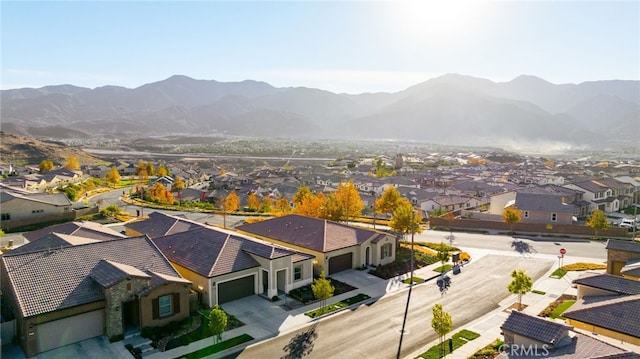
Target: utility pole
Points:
(406, 309)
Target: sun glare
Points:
(434, 22)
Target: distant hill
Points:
(451, 109)
(19, 150)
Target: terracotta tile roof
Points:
(47, 281)
(617, 313)
(313, 233)
(609, 282)
(541, 330)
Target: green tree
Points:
(72, 164)
(511, 215)
(322, 290)
(217, 323)
(441, 324)
(389, 200)
(521, 284)
(111, 210)
(303, 192)
(349, 199)
(113, 176)
(405, 220)
(443, 253)
(598, 221)
(1, 233)
(46, 166)
(253, 202)
(266, 205)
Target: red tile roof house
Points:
(336, 246)
(71, 293)
(224, 265)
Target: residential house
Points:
(159, 225)
(622, 257)
(534, 197)
(224, 266)
(607, 305)
(18, 210)
(336, 246)
(543, 208)
(633, 189)
(527, 336)
(600, 195)
(166, 181)
(84, 229)
(65, 295)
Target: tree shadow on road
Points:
(301, 345)
(522, 247)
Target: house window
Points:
(526, 214)
(385, 251)
(554, 217)
(297, 272)
(5, 216)
(164, 306)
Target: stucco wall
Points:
(602, 331)
(146, 305)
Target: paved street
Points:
(373, 331)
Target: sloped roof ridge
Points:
(215, 263)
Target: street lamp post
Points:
(406, 309)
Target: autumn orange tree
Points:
(282, 206)
(72, 164)
(150, 169)
(349, 199)
(405, 220)
(389, 200)
(512, 216)
(231, 202)
(46, 166)
(311, 205)
(332, 209)
(253, 202)
(266, 205)
(178, 184)
(113, 176)
(162, 170)
(301, 194)
(159, 194)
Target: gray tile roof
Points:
(612, 283)
(52, 241)
(205, 251)
(581, 346)
(542, 330)
(616, 313)
(52, 280)
(542, 203)
(631, 268)
(55, 199)
(108, 273)
(90, 230)
(313, 233)
(629, 246)
(160, 224)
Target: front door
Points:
(367, 256)
(131, 315)
(265, 282)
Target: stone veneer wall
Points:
(117, 295)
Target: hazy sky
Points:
(352, 47)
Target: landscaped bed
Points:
(558, 306)
(337, 306)
(459, 339)
(402, 264)
(305, 294)
(218, 347)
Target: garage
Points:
(340, 263)
(236, 289)
(66, 331)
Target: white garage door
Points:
(65, 331)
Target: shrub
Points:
(581, 266)
(437, 246)
(464, 256)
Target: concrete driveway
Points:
(94, 348)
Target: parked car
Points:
(628, 223)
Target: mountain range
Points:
(451, 109)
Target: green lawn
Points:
(557, 313)
(459, 339)
(215, 348)
(444, 268)
(415, 280)
(558, 273)
(337, 306)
